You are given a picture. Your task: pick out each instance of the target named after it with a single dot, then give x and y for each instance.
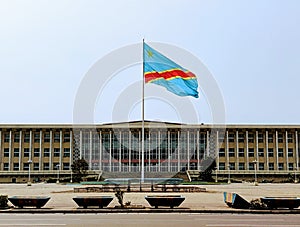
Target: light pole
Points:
(216, 169)
(29, 181)
(295, 181)
(229, 181)
(57, 166)
(255, 169)
(71, 180)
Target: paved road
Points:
(151, 219)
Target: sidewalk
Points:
(207, 202)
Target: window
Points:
(251, 152)
(36, 137)
(291, 166)
(251, 166)
(241, 166)
(280, 166)
(56, 152)
(270, 152)
(36, 152)
(16, 166)
(36, 166)
(290, 152)
(232, 166)
(6, 137)
(6, 152)
(260, 152)
(67, 137)
(46, 152)
(250, 138)
(280, 138)
(261, 166)
(47, 137)
(221, 152)
(46, 166)
(66, 166)
(241, 152)
(26, 137)
(56, 165)
(241, 137)
(66, 152)
(26, 166)
(231, 137)
(5, 166)
(270, 138)
(231, 152)
(290, 138)
(280, 152)
(57, 137)
(17, 137)
(260, 138)
(271, 166)
(26, 152)
(16, 152)
(221, 166)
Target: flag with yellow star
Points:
(160, 70)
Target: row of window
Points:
(36, 137)
(36, 166)
(36, 152)
(260, 137)
(261, 152)
(261, 166)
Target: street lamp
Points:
(255, 169)
(71, 180)
(29, 182)
(57, 166)
(295, 181)
(216, 170)
(229, 181)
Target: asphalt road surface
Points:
(151, 219)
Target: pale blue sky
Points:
(252, 48)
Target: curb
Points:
(148, 210)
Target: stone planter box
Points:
(29, 201)
(234, 200)
(165, 200)
(87, 201)
(281, 202)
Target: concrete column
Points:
(217, 152)
(237, 149)
(71, 149)
(51, 167)
(90, 149)
(226, 151)
(207, 145)
(1, 152)
(80, 144)
(120, 150)
(286, 151)
(60, 150)
(267, 149)
(198, 151)
(247, 151)
(41, 153)
(20, 151)
(188, 149)
(297, 151)
(159, 151)
(169, 158)
(110, 151)
(178, 151)
(276, 149)
(10, 151)
(129, 148)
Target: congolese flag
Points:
(160, 70)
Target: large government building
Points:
(48, 150)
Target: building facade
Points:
(45, 149)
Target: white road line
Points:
(248, 225)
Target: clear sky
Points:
(251, 47)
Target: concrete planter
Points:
(165, 200)
(29, 201)
(87, 201)
(281, 202)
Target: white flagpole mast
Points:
(143, 121)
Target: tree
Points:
(79, 169)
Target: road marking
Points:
(33, 224)
(248, 225)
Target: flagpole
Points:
(143, 121)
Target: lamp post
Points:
(229, 181)
(255, 169)
(57, 166)
(295, 180)
(216, 170)
(71, 180)
(29, 181)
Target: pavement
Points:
(210, 201)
